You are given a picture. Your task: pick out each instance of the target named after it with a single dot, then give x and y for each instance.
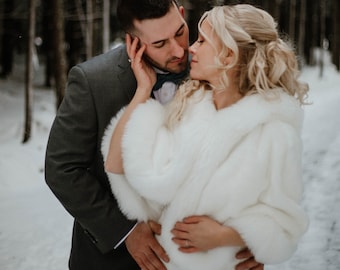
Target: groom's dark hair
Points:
(130, 10)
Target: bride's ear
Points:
(229, 57)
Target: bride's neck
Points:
(225, 98)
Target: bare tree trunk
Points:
(274, 9)
(97, 30)
(336, 34)
(81, 17)
(106, 25)
(322, 35)
(89, 32)
(8, 38)
(313, 31)
(196, 9)
(29, 71)
(73, 34)
(47, 46)
(60, 64)
(301, 37)
(292, 17)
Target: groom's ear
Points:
(181, 11)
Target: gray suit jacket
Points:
(96, 91)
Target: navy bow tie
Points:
(176, 78)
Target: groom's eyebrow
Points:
(176, 33)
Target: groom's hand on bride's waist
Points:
(249, 262)
(145, 249)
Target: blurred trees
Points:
(335, 33)
(85, 28)
(308, 24)
(8, 34)
(63, 33)
(29, 70)
(58, 49)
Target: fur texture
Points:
(240, 165)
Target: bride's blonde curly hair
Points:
(263, 60)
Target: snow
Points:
(35, 230)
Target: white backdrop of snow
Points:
(35, 231)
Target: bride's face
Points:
(204, 53)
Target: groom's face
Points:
(166, 39)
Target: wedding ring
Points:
(130, 60)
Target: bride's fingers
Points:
(133, 49)
(139, 54)
(131, 45)
(128, 43)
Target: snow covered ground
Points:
(35, 231)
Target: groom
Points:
(103, 238)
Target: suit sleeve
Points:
(273, 225)
(71, 156)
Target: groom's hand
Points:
(155, 227)
(145, 249)
(249, 262)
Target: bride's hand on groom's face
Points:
(144, 72)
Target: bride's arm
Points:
(114, 162)
(146, 78)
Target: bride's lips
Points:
(193, 62)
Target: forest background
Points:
(38, 37)
(63, 33)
